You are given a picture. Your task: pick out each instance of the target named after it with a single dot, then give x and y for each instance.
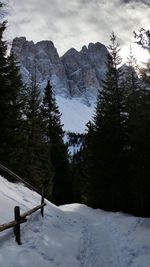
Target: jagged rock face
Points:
(43, 59)
(76, 74)
(86, 69)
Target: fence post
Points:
(17, 227)
(42, 201)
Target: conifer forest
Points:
(111, 168)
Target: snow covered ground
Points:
(75, 114)
(71, 235)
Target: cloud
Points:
(77, 22)
(145, 2)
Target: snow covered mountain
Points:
(76, 77)
(71, 235)
(85, 70)
(75, 74)
(43, 59)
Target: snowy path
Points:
(100, 251)
(71, 235)
(97, 247)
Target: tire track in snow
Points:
(84, 245)
(97, 247)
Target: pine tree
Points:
(133, 87)
(138, 110)
(142, 145)
(106, 138)
(143, 38)
(3, 79)
(52, 117)
(10, 106)
(58, 154)
(78, 168)
(14, 116)
(32, 130)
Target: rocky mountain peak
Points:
(95, 46)
(47, 50)
(85, 70)
(44, 57)
(75, 74)
(71, 51)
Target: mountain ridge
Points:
(75, 74)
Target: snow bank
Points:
(71, 235)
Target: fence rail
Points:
(11, 224)
(18, 178)
(29, 212)
(19, 219)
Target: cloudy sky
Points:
(74, 23)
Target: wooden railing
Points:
(18, 178)
(19, 219)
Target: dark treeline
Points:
(75, 138)
(114, 163)
(111, 169)
(31, 134)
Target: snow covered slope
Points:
(71, 235)
(75, 114)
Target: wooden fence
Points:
(18, 178)
(19, 219)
